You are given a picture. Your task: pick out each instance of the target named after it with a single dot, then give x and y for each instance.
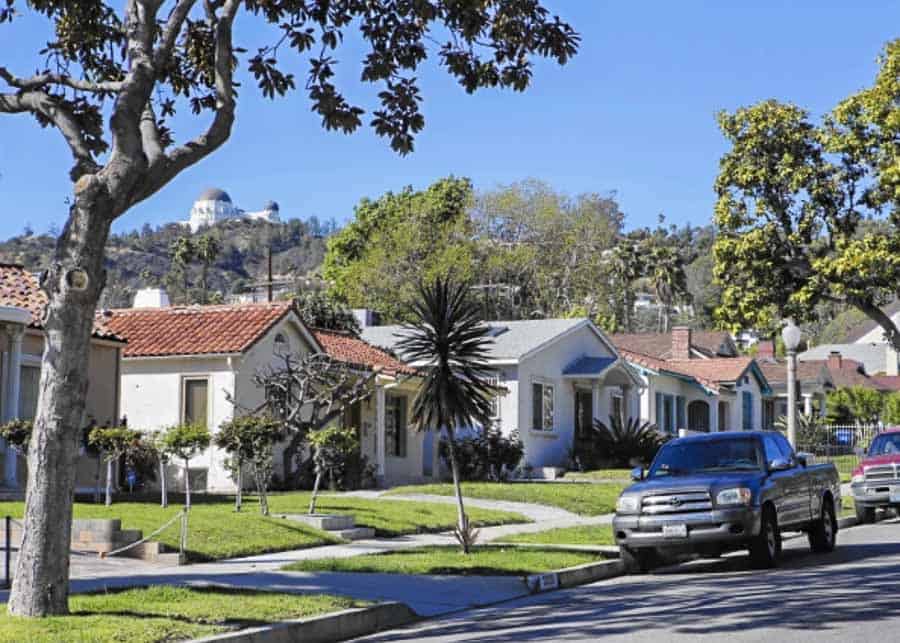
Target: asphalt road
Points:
(851, 594)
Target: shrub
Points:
(813, 435)
(17, 434)
(621, 443)
(489, 455)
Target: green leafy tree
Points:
(446, 336)
(250, 440)
(375, 260)
(114, 443)
(854, 404)
(665, 270)
(891, 413)
(110, 78)
(332, 446)
(207, 249)
(318, 310)
(181, 253)
(808, 212)
(184, 441)
(17, 434)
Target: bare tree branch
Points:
(42, 80)
(54, 110)
(170, 32)
(152, 142)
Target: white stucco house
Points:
(185, 364)
(696, 381)
(558, 374)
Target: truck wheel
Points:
(865, 515)
(765, 548)
(639, 560)
(823, 532)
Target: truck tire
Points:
(865, 515)
(765, 548)
(639, 561)
(823, 532)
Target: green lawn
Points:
(482, 561)
(600, 475)
(584, 499)
(847, 507)
(579, 535)
(166, 613)
(216, 531)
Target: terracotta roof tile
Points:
(20, 288)
(661, 365)
(717, 369)
(353, 350)
(194, 330)
(775, 370)
(659, 345)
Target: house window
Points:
(195, 402)
(747, 411)
(282, 346)
(352, 418)
(395, 425)
(494, 381)
(541, 406)
(28, 392)
(665, 412)
(723, 416)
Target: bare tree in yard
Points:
(112, 76)
(308, 393)
(448, 336)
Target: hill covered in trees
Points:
(146, 257)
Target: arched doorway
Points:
(698, 416)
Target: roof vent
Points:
(151, 298)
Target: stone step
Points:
(326, 522)
(354, 533)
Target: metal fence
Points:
(843, 444)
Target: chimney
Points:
(151, 298)
(834, 360)
(681, 342)
(765, 349)
(891, 361)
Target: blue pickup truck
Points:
(712, 493)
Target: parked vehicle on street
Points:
(876, 481)
(713, 493)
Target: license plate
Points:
(674, 531)
(895, 494)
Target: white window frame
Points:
(544, 384)
(495, 381)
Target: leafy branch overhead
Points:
(809, 212)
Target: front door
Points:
(584, 416)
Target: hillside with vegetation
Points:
(148, 257)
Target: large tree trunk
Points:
(73, 284)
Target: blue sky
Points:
(633, 113)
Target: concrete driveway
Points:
(848, 595)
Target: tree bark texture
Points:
(73, 283)
(163, 490)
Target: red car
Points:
(876, 481)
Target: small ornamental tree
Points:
(17, 434)
(331, 447)
(184, 441)
(157, 442)
(891, 414)
(250, 439)
(114, 443)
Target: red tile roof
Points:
(194, 330)
(353, 350)
(20, 288)
(716, 369)
(775, 370)
(659, 345)
(886, 382)
(661, 365)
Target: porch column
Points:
(11, 406)
(807, 404)
(596, 391)
(379, 433)
(713, 404)
(626, 403)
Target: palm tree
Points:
(448, 337)
(666, 272)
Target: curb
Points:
(573, 576)
(609, 551)
(338, 626)
(849, 521)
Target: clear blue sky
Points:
(632, 113)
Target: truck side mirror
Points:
(803, 459)
(779, 464)
(637, 474)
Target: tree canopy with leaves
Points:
(808, 212)
(110, 80)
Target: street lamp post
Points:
(791, 336)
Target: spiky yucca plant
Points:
(449, 338)
(620, 442)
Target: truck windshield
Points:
(707, 456)
(885, 444)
